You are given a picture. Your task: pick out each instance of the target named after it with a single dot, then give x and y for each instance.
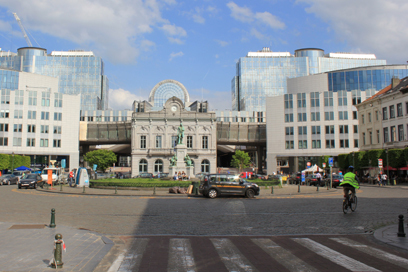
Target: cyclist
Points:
(350, 182)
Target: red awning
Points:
(403, 168)
(390, 168)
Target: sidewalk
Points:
(28, 247)
(388, 235)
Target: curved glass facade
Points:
(29, 54)
(8, 80)
(166, 91)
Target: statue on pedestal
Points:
(173, 160)
(187, 160)
(180, 133)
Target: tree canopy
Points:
(102, 158)
(240, 160)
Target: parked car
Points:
(214, 185)
(312, 180)
(201, 175)
(31, 181)
(337, 179)
(144, 175)
(295, 178)
(8, 179)
(55, 174)
(162, 176)
(19, 174)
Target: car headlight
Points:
(256, 185)
(32, 181)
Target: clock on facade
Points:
(174, 108)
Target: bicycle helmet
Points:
(351, 168)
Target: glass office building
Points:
(79, 72)
(265, 73)
(166, 89)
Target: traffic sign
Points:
(331, 161)
(324, 165)
(380, 163)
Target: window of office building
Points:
(58, 100)
(343, 115)
(107, 118)
(330, 144)
(356, 96)
(315, 116)
(362, 119)
(4, 127)
(302, 144)
(289, 130)
(329, 129)
(4, 113)
(290, 145)
(399, 110)
(3, 141)
(158, 166)
(30, 142)
(364, 138)
(45, 99)
(16, 141)
(205, 142)
(393, 134)
(44, 128)
(344, 143)
(143, 166)
(205, 166)
(5, 96)
(32, 98)
(315, 130)
(19, 97)
(158, 141)
(288, 101)
(302, 130)
(400, 133)
(301, 100)
(354, 115)
(314, 100)
(328, 115)
(385, 113)
(342, 98)
(189, 141)
(57, 129)
(302, 117)
(343, 129)
(328, 99)
(57, 116)
(143, 141)
(378, 136)
(356, 143)
(369, 117)
(376, 115)
(31, 128)
(18, 114)
(386, 137)
(355, 128)
(392, 111)
(32, 114)
(18, 128)
(316, 144)
(289, 118)
(45, 115)
(56, 143)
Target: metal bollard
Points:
(299, 188)
(401, 232)
(271, 189)
(58, 243)
(52, 223)
(116, 190)
(317, 187)
(83, 189)
(154, 190)
(60, 186)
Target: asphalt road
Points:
(110, 215)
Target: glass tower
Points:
(264, 73)
(79, 72)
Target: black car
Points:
(337, 179)
(31, 181)
(312, 180)
(223, 184)
(8, 179)
(295, 178)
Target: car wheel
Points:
(250, 193)
(19, 187)
(212, 193)
(35, 186)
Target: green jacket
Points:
(350, 178)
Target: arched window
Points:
(158, 166)
(143, 166)
(205, 166)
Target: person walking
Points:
(384, 178)
(70, 178)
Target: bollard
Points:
(196, 190)
(299, 188)
(116, 190)
(271, 189)
(317, 187)
(52, 224)
(401, 232)
(154, 190)
(83, 189)
(56, 262)
(60, 186)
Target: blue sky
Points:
(199, 42)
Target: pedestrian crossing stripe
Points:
(181, 256)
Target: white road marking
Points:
(283, 256)
(231, 256)
(373, 252)
(116, 264)
(130, 262)
(334, 256)
(181, 257)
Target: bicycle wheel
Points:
(353, 205)
(345, 205)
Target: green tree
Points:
(102, 158)
(240, 160)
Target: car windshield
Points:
(31, 176)
(5, 176)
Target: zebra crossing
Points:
(251, 254)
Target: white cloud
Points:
(241, 14)
(120, 99)
(257, 34)
(176, 55)
(174, 30)
(111, 28)
(270, 20)
(175, 40)
(198, 18)
(222, 43)
(369, 26)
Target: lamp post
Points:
(388, 169)
(353, 160)
(12, 163)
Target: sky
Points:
(199, 42)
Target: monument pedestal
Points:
(181, 152)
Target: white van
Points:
(56, 174)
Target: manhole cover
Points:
(27, 226)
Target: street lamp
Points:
(353, 160)
(12, 163)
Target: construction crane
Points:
(23, 30)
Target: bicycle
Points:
(347, 203)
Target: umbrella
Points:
(22, 168)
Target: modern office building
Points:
(38, 121)
(265, 73)
(78, 72)
(318, 117)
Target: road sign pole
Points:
(331, 176)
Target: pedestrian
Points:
(318, 177)
(70, 178)
(175, 176)
(384, 179)
(379, 179)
